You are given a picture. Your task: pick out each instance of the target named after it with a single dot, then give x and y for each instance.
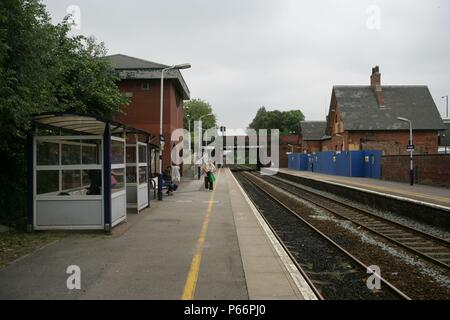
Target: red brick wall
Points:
(289, 138)
(311, 146)
(430, 169)
(292, 139)
(143, 111)
(393, 142)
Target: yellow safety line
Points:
(192, 277)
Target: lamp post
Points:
(411, 150)
(446, 108)
(161, 137)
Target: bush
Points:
(43, 69)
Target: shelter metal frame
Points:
(72, 204)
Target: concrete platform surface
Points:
(418, 192)
(196, 244)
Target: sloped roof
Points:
(121, 61)
(360, 110)
(128, 67)
(313, 130)
(78, 123)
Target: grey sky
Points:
(283, 54)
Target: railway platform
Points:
(196, 244)
(420, 194)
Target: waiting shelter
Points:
(83, 173)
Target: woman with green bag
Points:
(210, 178)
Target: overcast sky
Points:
(284, 54)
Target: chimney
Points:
(375, 83)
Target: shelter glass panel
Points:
(71, 154)
(47, 153)
(117, 152)
(47, 181)
(117, 179)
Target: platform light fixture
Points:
(411, 150)
(161, 137)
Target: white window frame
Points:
(117, 193)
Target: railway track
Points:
(329, 267)
(427, 246)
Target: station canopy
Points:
(83, 124)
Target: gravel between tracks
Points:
(335, 275)
(415, 277)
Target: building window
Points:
(128, 94)
(145, 86)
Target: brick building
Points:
(288, 143)
(365, 117)
(312, 133)
(140, 80)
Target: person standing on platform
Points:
(209, 169)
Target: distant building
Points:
(365, 117)
(288, 143)
(312, 133)
(140, 80)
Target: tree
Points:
(286, 121)
(43, 69)
(194, 109)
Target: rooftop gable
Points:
(128, 67)
(360, 110)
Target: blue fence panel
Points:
(356, 164)
(292, 161)
(372, 164)
(341, 163)
(303, 162)
(366, 163)
(324, 162)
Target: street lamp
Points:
(411, 150)
(446, 110)
(161, 137)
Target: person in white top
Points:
(209, 169)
